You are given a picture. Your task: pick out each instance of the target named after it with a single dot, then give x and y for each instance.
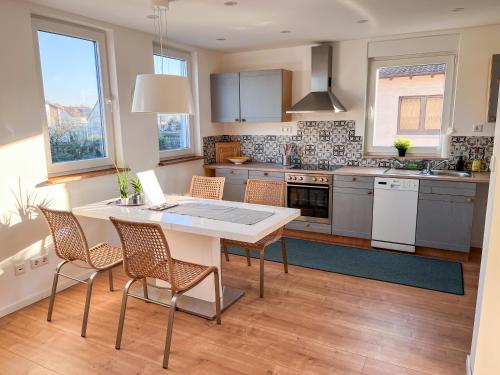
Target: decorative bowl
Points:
(238, 159)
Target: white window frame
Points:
(98, 36)
(171, 154)
(448, 102)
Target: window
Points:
(409, 98)
(174, 131)
(75, 84)
(420, 114)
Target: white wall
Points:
(476, 45)
(486, 337)
(23, 233)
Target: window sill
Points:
(80, 176)
(183, 159)
(407, 157)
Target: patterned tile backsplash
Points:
(326, 143)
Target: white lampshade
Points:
(162, 93)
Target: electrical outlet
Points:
(286, 129)
(39, 261)
(478, 128)
(19, 269)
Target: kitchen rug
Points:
(398, 268)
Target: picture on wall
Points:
(493, 88)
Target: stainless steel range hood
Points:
(321, 98)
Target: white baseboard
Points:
(35, 297)
(468, 365)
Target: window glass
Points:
(173, 129)
(73, 103)
(409, 101)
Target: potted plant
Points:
(122, 178)
(138, 197)
(402, 145)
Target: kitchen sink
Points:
(444, 172)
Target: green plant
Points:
(136, 185)
(402, 143)
(122, 178)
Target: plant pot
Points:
(401, 152)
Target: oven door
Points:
(313, 201)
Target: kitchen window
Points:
(411, 98)
(75, 83)
(175, 131)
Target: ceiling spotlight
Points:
(457, 9)
(362, 21)
(285, 31)
(230, 3)
(220, 39)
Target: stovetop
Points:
(315, 167)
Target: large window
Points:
(75, 88)
(409, 98)
(174, 130)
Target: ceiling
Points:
(256, 24)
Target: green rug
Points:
(398, 268)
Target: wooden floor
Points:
(310, 322)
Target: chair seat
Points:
(185, 274)
(260, 244)
(105, 256)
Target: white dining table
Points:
(194, 239)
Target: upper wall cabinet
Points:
(260, 96)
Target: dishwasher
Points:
(395, 204)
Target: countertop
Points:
(481, 178)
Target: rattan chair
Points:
(71, 245)
(207, 187)
(271, 193)
(146, 254)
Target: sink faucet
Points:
(428, 165)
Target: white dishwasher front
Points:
(395, 213)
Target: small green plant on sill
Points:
(136, 185)
(402, 145)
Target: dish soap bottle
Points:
(460, 166)
(477, 162)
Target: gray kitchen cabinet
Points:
(225, 94)
(257, 96)
(266, 175)
(352, 211)
(445, 212)
(235, 183)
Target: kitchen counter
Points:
(481, 178)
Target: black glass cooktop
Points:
(316, 167)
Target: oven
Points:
(312, 195)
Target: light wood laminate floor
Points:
(310, 322)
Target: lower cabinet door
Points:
(352, 212)
(234, 191)
(445, 221)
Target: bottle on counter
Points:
(460, 166)
(476, 162)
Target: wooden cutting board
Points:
(223, 150)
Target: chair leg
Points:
(224, 249)
(168, 341)
(121, 321)
(145, 288)
(261, 256)
(283, 253)
(217, 296)
(54, 290)
(249, 262)
(90, 282)
(110, 275)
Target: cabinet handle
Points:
(265, 173)
(243, 119)
(245, 182)
(237, 119)
(354, 178)
(308, 225)
(231, 172)
(370, 193)
(470, 200)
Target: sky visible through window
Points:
(68, 69)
